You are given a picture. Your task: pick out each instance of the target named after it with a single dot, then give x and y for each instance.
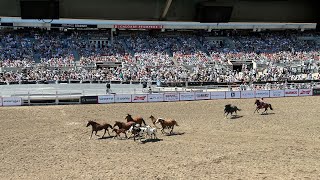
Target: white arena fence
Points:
(174, 96)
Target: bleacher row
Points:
(165, 56)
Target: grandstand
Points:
(121, 51)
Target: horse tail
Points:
(238, 109)
(270, 107)
(143, 122)
(109, 126)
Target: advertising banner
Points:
(218, 95)
(11, 101)
(247, 94)
(202, 95)
(187, 96)
(291, 92)
(138, 26)
(316, 92)
(122, 98)
(155, 97)
(0, 101)
(171, 97)
(89, 99)
(139, 98)
(262, 93)
(233, 94)
(105, 99)
(305, 92)
(276, 93)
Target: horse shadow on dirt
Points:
(151, 141)
(175, 134)
(236, 117)
(106, 137)
(264, 114)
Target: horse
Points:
(154, 120)
(230, 109)
(169, 123)
(261, 105)
(97, 127)
(119, 131)
(138, 120)
(123, 125)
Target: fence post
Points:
(29, 98)
(57, 100)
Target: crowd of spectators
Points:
(163, 56)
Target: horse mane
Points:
(228, 105)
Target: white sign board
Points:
(305, 92)
(187, 96)
(122, 98)
(247, 94)
(202, 95)
(276, 93)
(105, 99)
(218, 95)
(262, 93)
(155, 97)
(11, 101)
(139, 98)
(291, 92)
(233, 94)
(171, 97)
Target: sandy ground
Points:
(52, 142)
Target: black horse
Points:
(230, 109)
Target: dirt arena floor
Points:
(52, 142)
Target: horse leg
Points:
(104, 133)
(171, 129)
(91, 134)
(108, 132)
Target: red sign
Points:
(138, 26)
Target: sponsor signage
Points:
(291, 92)
(139, 98)
(233, 94)
(89, 99)
(260, 94)
(122, 98)
(202, 95)
(316, 92)
(218, 95)
(0, 101)
(11, 101)
(305, 92)
(105, 99)
(247, 94)
(171, 97)
(138, 26)
(276, 93)
(187, 96)
(155, 97)
(74, 25)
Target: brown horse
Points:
(169, 123)
(138, 120)
(119, 131)
(123, 125)
(97, 127)
(261, 105)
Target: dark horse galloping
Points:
(97, 127)
(230, 109)
(261, 105)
